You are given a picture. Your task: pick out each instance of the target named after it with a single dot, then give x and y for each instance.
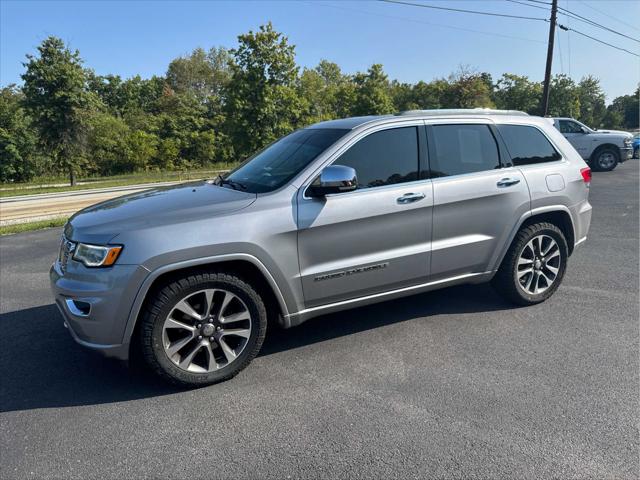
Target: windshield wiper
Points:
(232, 183)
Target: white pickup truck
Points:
(601, 149)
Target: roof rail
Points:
(461, 111)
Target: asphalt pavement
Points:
(448, 384)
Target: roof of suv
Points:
(354, 122)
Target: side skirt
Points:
(297, 318)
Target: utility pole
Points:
(547, 72)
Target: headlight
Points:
(627, 142)
(96, 255)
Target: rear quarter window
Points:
(527, 145)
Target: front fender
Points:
(212, 260)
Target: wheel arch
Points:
(559, 215)
(601, 147)
(243, 265)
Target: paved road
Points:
(446, 384)
(22, 208)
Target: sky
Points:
(141, 37)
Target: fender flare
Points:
(141, 295)
(524, 218)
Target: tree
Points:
(591, 99)
(516, 92)
(372, 92)
(203, 74)
(467, 89)
(18, 153)
(57, 101)
(624, 112)
(564, 99)
(107, 142)
(325, 93)
(262, 101)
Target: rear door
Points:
(377, 237)
(478, 198)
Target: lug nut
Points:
(199, 325)
(219, 328)
(199, 337)
(212, 339)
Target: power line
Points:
(461, 10)
(540, 2)
(610, 16)
(560, 51)
(567, 29)
(421, 22)
(595, 24)
(529, 5)
(575, 16)
(568, 42)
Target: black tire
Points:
(605, 159)
(161, 305)
(506, 282)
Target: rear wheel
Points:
(605, 159)
(203, 329)
(534, 266)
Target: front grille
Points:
(66, 250)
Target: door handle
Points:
(410, 198)
(507, 182)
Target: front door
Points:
(377, 237)
(577, 136)
(476, 202)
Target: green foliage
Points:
(467, 89)
(262, 102)
(57, 101)
(591, 100)
(18, 153)
(372, 95)
(516, 92)
(624, 112)
(218, 106)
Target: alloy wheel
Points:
(538, 264)
(206, 330)
(606, 160)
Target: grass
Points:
(30, 226)
(57, 184)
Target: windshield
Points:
(277, 164)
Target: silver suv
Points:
(334, 216)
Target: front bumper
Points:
(95, 304)
(626, 153)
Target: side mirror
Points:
(333, 179)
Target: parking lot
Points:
(454, 383)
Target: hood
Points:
(615, 132)
(155, 207)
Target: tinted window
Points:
(277, 164)
(567, 126)
(527, 145)
(463, 149)
(384, 158)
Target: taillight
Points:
(586, 175)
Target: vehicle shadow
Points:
(42, 367)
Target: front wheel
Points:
(203, 329)
(606, 160)
(534, 266)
